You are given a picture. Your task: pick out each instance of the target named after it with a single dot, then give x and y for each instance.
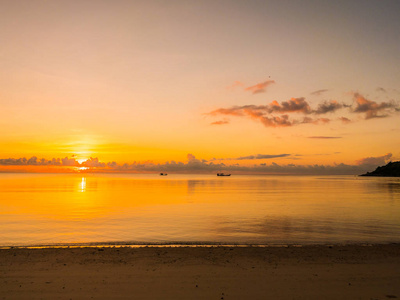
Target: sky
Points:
(199, 86)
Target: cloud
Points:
(345, 120)
(191, 157)
(318, 92)
(13, 161)
(112, 164)
(293, 105)
(69, 162)
(260, 87)
(194, 165)
(372, 108)
(62, 162)
(261, 156)
(375, 161)
(93, 163)
(323, 120)
(275, 114)
(308, 120)
(266, 113)
(221, 122)
(381, 89)
(33, 161)
(235, 85)
(328, 107)
(324, 137)
(281, 121)
(233, 111)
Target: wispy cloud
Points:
(235, 85)
(319, 92)
(221, 122)
(325, 137)
(260, 156)
(345, 120)
(308, 120)
(260, 87)
(233, 111)
(381, 89)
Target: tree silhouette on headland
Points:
(392, 169)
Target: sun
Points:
(81, 160)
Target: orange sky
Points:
(254, 83)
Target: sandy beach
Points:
(310, 272)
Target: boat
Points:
(163, 174)
(223, 174)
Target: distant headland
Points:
(392, 169)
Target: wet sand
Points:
(311, 272)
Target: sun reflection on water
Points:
(82, 185)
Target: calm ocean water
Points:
(44, 209)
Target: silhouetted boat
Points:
(223, 174)
(163, 174)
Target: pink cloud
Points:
(235, 85)
(260, 87)
(234, 111)
(266, 113)
(372, 108)
(275, 114)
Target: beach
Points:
(189, 272)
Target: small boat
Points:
(163, 174)
(223, 174)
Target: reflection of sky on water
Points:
(308, 231)
(239, 209)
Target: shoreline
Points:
(189, 245)
(202, 272)
(135, 244)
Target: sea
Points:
(149, 209)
